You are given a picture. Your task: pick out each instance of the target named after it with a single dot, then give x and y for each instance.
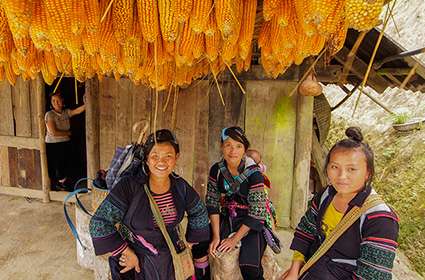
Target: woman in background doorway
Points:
(58, 141)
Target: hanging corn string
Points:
(180, 36)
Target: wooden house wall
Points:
(19, 167)
(267, 113)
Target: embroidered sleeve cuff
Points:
(107, 244)
(213, 210)
(253, 223)
(300, 245)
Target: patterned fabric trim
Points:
(198, 216)
(103, 222)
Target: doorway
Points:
(72, 99)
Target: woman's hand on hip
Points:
(129, 261)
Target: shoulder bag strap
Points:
(349, 219)
(178, 269)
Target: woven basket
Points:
(98, 196)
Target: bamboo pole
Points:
(41, 101)
(303, 136)
(92, 130)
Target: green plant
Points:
(401, 118)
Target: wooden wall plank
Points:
(233, 113)
(6, 109)
(4, 166)
(33, 108)
(107, 91)
(19, 142)
(141, 107)
(13, 166)
(270, 126)
(185, 130)
(200, 150)
(22, 107)
(123, 112)
(29, 169)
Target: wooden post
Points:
(318, 154)
(303, 134)
(92, 128)
(41, 101)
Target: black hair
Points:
(237, 134)
(355, 141)
(160, 136)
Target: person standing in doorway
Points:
(58, 141)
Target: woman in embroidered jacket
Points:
(242, 209)
(144, 253)
(366, 250)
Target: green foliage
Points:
(401, 118)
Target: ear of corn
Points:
(122, 18)
(168, 20)
(148, 19)
(199, 16)
(247, 29)
(363, 14)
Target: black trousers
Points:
(58, 159)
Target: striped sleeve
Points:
(257, 199)
(212, 199)
(305, 233)
(378, 247)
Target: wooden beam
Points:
(19, 142)
(393, 71)
(359, 68)
(303, 140)
(41, 102)
(92, 129)
(328, 74)
(33, 193)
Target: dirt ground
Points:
(35, 243)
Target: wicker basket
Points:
(98, 196)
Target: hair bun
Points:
(354, 133)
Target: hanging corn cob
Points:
(93, 9)
(247, 29)
(122, 18)
(184, 9)
(39, 32)
(228, 14)
(167, 19)
(19, 14)
(78, 17)
(330, 24)
(270, 8)
(199, 16)
(363, 14)
(148, 19)
(6, 41)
